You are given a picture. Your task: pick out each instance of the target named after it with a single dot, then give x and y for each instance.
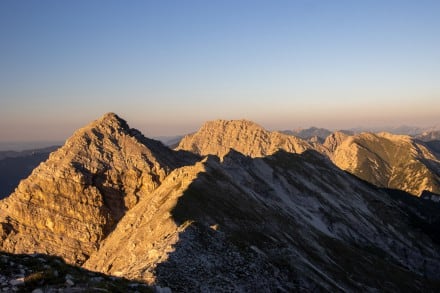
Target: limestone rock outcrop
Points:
(334, 140)
(218, 137)
(71, 202)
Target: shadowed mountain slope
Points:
(434, 146)
(284, 222)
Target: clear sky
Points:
(167, 66)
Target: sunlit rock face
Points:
(71, 202)
(334, 140)
(387, 160)
(219, 136)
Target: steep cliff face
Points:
(71, 202)
(392, 161)
(219, 136)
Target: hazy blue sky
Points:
(167, 66)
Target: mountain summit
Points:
(218, 137)
(71, 202)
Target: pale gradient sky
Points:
(167, 66)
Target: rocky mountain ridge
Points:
(218, 137)
(383, 159)
(260, 211)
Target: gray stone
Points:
(69, 283)
(18, 281)
(158, 289)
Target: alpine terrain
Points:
(387, 160)
(234, 208)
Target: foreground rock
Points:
(43, 274)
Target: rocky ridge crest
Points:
(218, 137)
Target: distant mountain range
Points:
(401, 130)
(235, 207)
(430, 133)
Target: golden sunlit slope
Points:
(219, 136)
(387, 160)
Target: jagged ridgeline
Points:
(383, 159)
(233, 208)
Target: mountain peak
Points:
(111, 117)
(111, 120)
(101, 172)
(224, 124)
(219, 136)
